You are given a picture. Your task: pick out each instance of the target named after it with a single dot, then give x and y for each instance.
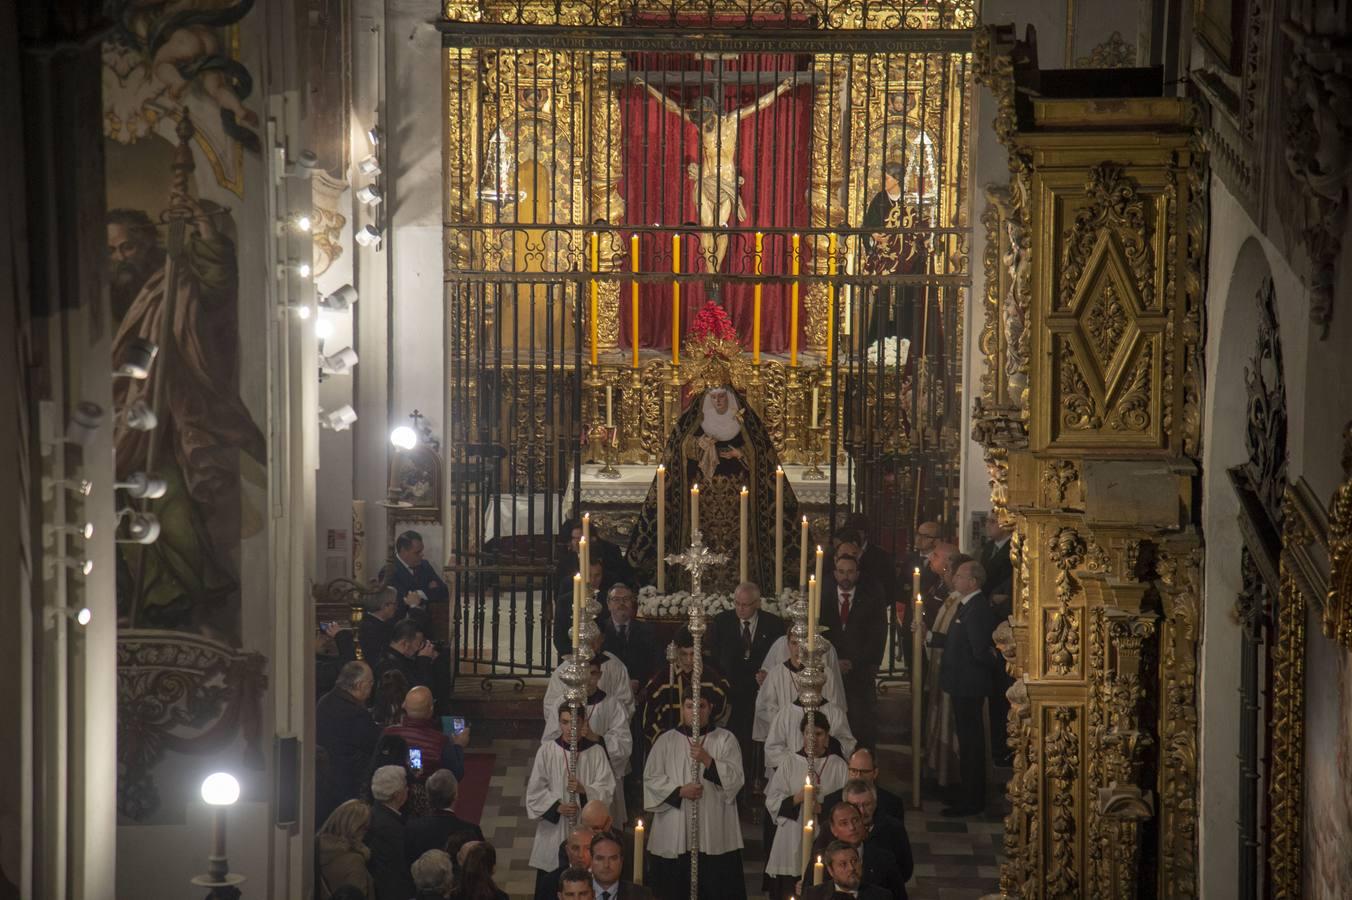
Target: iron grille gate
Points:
(574, 157)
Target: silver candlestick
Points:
(573, 674)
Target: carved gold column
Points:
(1089, 413)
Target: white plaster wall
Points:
(333, 500)
(415, 124)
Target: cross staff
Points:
(695, 561)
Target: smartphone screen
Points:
(415, 758)
(457, 724)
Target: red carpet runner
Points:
(469, 804)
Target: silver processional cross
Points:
(695, 560)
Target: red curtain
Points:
(772, 159)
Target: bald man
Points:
(575, 851)
(420, 729)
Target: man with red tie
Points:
(856, 616)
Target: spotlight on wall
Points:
(142, 528)
(340, 363)
(83, 532)
(324, 327)
(404, 438)
(79, 566)
(85, 420)
(303, 223)
(142, 486)
(303, 311)
(140, 417)
(299, 268)
(137, 359)
(368, 236)
(80, 615)
(373, 135)
(341, 419)
(302, 166)
(370, 195)
(370, 167)
(80, 487)
(339, 300)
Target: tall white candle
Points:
(820, 556)
(741, 532)
(661, 529)
(610, 410)
(811, 613)
(802, 557)
(814, 406)
(694, 509)
(779, 530)
(583, 549)
(638, 852)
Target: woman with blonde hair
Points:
(340, 852)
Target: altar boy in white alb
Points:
(605, 723)
(671, 792)
(614, 680)
(781, 688)
(547, 792)
(784, 799)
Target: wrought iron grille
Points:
(611, 169)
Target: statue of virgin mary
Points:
(720, 444)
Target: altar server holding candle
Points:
(607, 723)
(785, 796)
(779, 688)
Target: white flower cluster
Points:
(894, 352)
(652, 605)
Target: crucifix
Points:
(695, 561)
(714, 178)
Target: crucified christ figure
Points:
(715, 179)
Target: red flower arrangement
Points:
(712, 322)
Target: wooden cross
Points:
(719, 77)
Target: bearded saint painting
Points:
(720, 444)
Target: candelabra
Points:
(810, 680)
(816, 453)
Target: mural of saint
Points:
(184, 580)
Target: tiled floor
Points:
(956, 859)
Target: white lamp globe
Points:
(84, 615)
(404, 437)
(324, 327)
(220, 789)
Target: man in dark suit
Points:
(607, 862)
(388, 864)
(883, 830)
(633, 642)
(875, 563)
(738, 640)
(376, 628)
(999, 587)
(599, 582)
(411, 574)
(411, 653)
(844, 876)
(431, 832)
(927, 536)
(878, 865)
(864, 766)
(857, 620)
(995, 560)
(346, 732)
(966, 674)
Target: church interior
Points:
(509, 448)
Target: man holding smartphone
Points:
(428, 745)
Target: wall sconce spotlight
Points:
(370, 167)
(341, 419)
(340, 363)
(80, 487)
(324, 327)
(142, 486)
(339, 300)
(79, 566)
(373, 135)
(84, 532)
(303, 166)
(140, 417)
(137, 360)
(370, 195)
(404, 438)
(81, 616)
(368, 236)
(142, 528)
(85, 420)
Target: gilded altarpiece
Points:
(1089, 416)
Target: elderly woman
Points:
(432, 875)
(341, 853)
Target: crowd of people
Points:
(390, 769)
